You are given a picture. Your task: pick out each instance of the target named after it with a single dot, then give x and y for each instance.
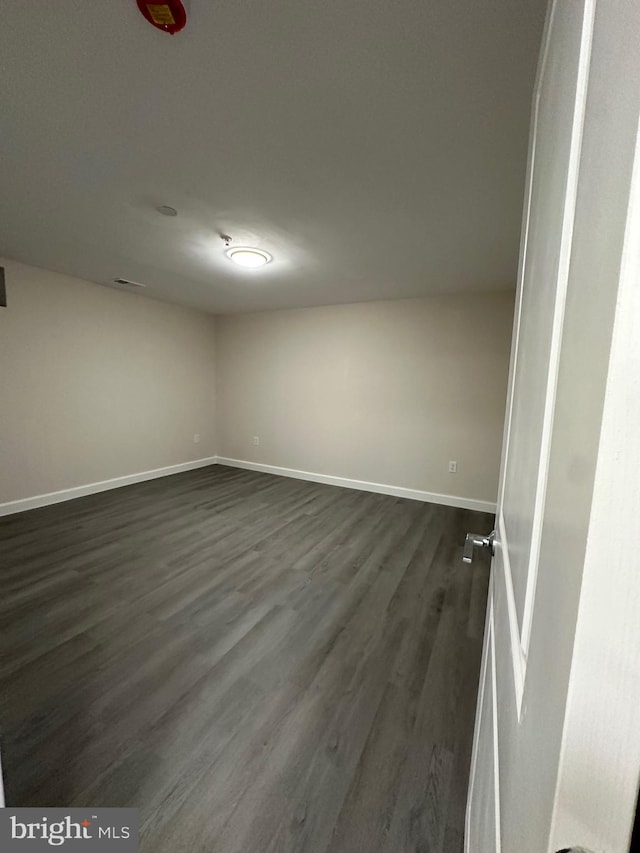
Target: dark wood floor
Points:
(259, 664)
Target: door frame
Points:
(598, 767)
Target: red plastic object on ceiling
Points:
(168, 16)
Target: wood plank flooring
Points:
(259, 664)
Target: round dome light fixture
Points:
(248, 257)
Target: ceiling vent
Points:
(125, 282)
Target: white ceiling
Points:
(376, 148)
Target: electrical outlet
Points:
(453, 466)
(255, 440)
(196, 438)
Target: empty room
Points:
(319, 426)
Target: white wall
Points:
(97, 384)
(386, 392)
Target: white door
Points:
(557, 749)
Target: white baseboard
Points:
(104, 485)
(92, 488)
(362, 485)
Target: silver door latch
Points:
(476, 540)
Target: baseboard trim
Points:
(362, 485)
(38, 501)
(104, 485)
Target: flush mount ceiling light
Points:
(248, 258)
